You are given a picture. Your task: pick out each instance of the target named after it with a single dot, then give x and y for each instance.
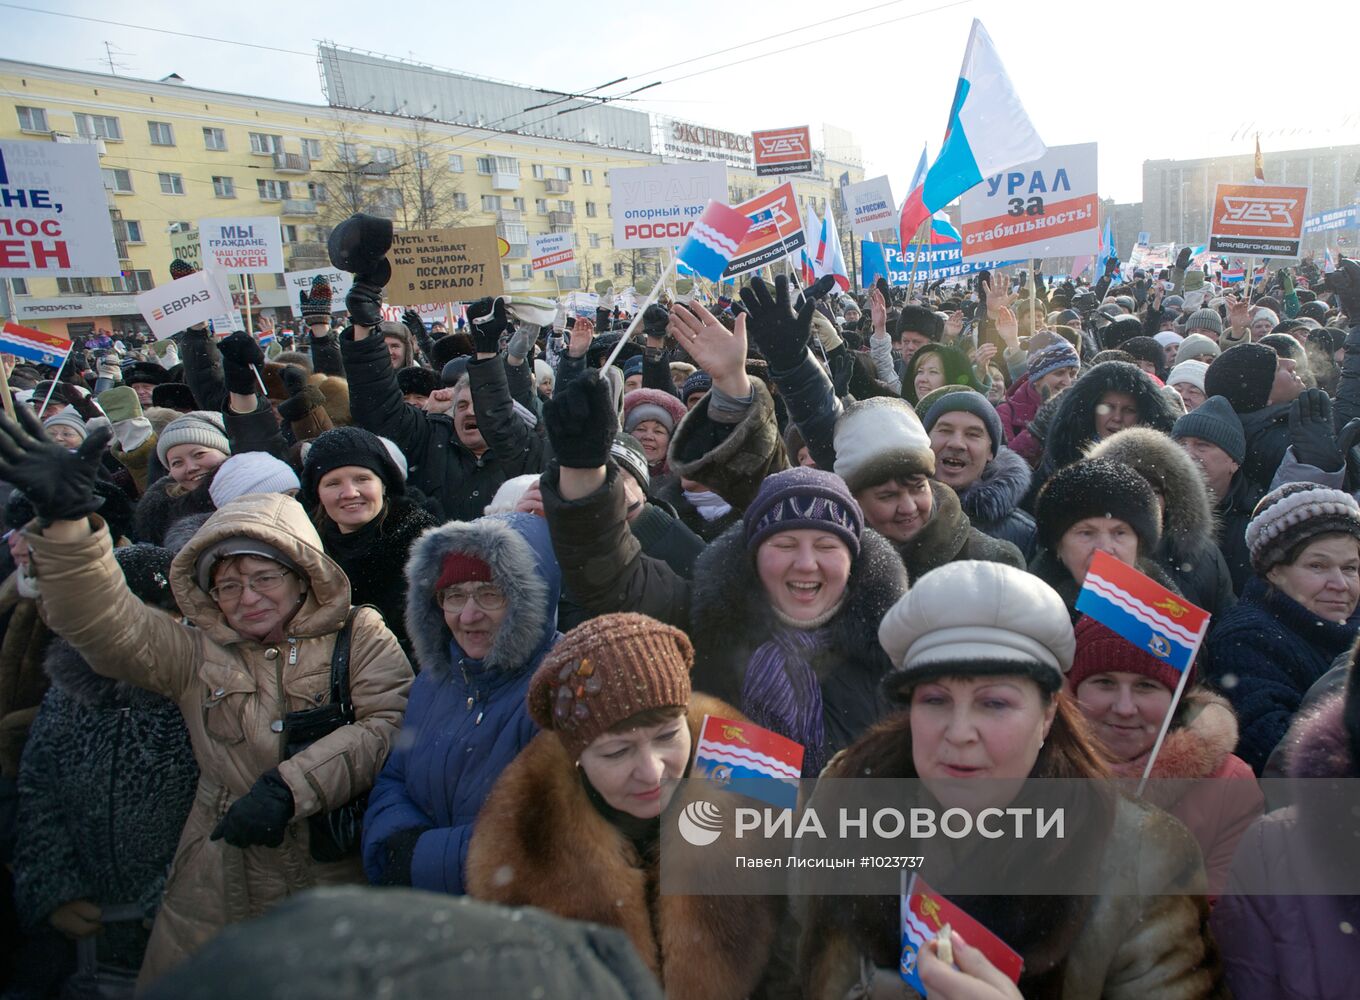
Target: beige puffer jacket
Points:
(233, 691)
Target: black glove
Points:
(1311, 431)
(885, 290)
(487, 321)
(59, 483)
(364, 302)
(820, 288)
(258, 817)
(603, 321)
(239, 353)
(1183, 259)
(414, 323)
(399, 851)
(1345, 282)
(654, 321)
(781, 335)
(581, 422)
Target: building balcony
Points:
(518, 250)
(518, 284)
(299, 206)
(122, 248)
(512, 215)
(304, 256)
(85, 140)
(504, 182)
(554, 186)
(375, 170)
(561, 219)
(291, 163)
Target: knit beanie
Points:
(968, 401)
(652, 404)
(251, 472)
(1261, 312)
(803, 497)
(918, 319)
(1214, 421)
(604, 672)
(1056, 356)
(1243, 375)
(1167, 337)
(700, 381)
(1198, 347)
(1102, 651)
(924, 404)
(878, 439)
(195, 427)
(68, 417)
(1297, 513)
(973, 618)
(627, 452)
(1204, 319)
(633, 366)
(543, 370)
(342, 446)
(1188, 372)
(1097, 487)
(415, 380)
(460, 567)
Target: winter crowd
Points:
(445, 611)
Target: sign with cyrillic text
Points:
(54, 213)
(655, 206)
(252, 245)
(444, 265)
(1046, 208)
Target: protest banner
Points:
(444, 265)
(250, 245)
(1150, 256)
(1045, 208)
(185, 246)
(301, 281)
(776, 230)
(655, 206)
(870, 205)
(170, 308)
(783, 151)
(1340, 218)
(551, 250)
(942, 260)
(1257, 219)
(54, 215)
(582, 305)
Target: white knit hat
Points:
(251, 472)
(878, 439)
(1166, 338)
(1188, 371)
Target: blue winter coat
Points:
(1264, 655)
(466, 719)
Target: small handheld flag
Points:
(34, 345)
(925, 913)
(1142, 611)
(713, 240)
(766, 765)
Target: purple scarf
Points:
(781, 692)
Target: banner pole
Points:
(1170, 711)
(917, 241)
(637, 316)
(8, 399)
(55, 378)
(245, 281)
(1033, 298)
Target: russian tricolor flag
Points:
(33, 345)
(763, 765)
(1142, 611)
(942, 230)
(714, 239)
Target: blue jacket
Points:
(1264, 655)
(466, 719)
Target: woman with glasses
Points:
(481, 611)
(263, 606)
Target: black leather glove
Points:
(781, 335)
(364, 302)
(1345, 282)
(414, 323)
(59, 483)
(399, 851)
(820, 288)
(239, 353)
(1311, 431)
(603, 320)
(654, 321)
(487, 321)
(885, 290)
(581, 422)
(1183, 259)
(258, 817)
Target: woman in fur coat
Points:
(573, 826)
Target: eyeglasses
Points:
(261, 583)
(486, 598)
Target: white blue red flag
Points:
(34, 345)
(913, 212)
(925, 913)
(830, 260)
(763, 765)
(942, 230)
(713, 240)
(1106, 251)
(1142, 611)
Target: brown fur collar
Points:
(1197, 747)
(539, 842)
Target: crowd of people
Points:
(410, 608)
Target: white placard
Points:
(655, 206)
(1046, 208)
(870, 206)
(251, 245)
(54, 214)
(301, 281)
(551, 250)
(195, 298)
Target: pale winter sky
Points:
(1177, 81)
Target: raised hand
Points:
(581, 422)
(781, 335)
(60, 483)
(715, 349)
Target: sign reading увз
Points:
(444, 265)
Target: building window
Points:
(485, 165)
(32, 119)
(261, 142)
(384, 154)
(117, 180)
(99, 127)
(347, 152)
(134, 281)
(455, 163)
(505, 272)
(215, 138)
(563, 173)
(317, 192)
(506, 165)
(594, 241)
(162, 133)
(290, 234)
(460, 201)
(19, 286)
(224, 187)
(519, 204)
(75, 286)
(537, 171)
(590, 209)
(422, 159)
(388, 198)
(272, 190)
(597, 270)
(541, 206)
(618, 270)
(587, 176)
(311, 148)
(491, 203)
(171, 183)
(526, 271)
(566, 206)
(133, 230)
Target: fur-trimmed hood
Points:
(1073, 425)
(1188, 520)
(519, 551)
(1318, 743)
(1198, 746)
(996, 494)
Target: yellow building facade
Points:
(172, 153)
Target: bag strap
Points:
(340, 694)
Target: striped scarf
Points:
(781, 692)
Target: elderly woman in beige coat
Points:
(263, 607)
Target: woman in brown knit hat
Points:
(573, 825)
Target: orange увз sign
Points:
(1262, 220)
(783, 151)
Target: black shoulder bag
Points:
(335, 834)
